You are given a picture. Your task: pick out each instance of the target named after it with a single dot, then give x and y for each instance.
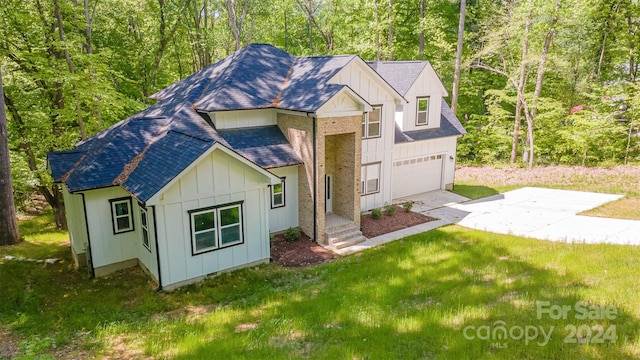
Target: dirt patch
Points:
(8, 345)
(301, 252)
(388, 223)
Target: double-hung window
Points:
(371, 123)
(422, 111)
(144, 225)
(370, 178)
(216, 227)
(277, 195)
(121, 215)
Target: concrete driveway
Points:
(539, 213)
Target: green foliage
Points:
(407, 206)
(292, 234)
(376, 213)
(390, 209)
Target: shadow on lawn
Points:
(474, 192)
(404, 304)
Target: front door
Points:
(328, 203)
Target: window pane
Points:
(374, 129)
(123, 223)
(372, 185)
(423, 104)
(230, 216)
(422, 118)
(229, 235)
(122, 208)
(204, 221)
(364, 130)
(205, 240)
(145, 237)
(278, 199)
(143, 218)
(277, 188)
(374, 116)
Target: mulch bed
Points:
(385, 224)
(303, 251)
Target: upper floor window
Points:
(277, 195)
(370, 178)
(215, 228)
(422, 111)
(121, 215)
(371, 122)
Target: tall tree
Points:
(456, 73)
(236, 19)
(9, 232)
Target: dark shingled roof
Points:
(146, 151)
(399, 74)
(449, 126)
(264, 145)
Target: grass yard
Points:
(412, 298)
(477, 182)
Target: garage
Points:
(417, 175)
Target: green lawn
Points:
(412, 298)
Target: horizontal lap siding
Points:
(218, 179)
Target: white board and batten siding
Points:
(359, 77)
(422, 166)
(76, 224)
(282, 218)
(108, 247)
(244, 118)
(427, 84)
(215, 180)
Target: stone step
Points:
(332, 239)
(349, 242)
(339, 232)
(339, 228)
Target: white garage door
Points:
(417, 175)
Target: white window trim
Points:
(366, 123)
(426, 112)
(273, 195)
(115, 217)
(364, 180)
(145, 227)
(217, 227)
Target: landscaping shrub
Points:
(407, 206)
(390, 209)
(292, 234)
(376, 213)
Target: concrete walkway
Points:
(546, 214)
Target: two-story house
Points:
(254, 144)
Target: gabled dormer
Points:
(418, 83)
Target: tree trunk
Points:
(235, 21)
(456, 73)
(72, 69)
(9, 232)
(539, 79)
(520, 90)
(390, 30)
(377, 19)
(421, 35)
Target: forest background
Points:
(541, 82)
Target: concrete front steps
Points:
(343, 235)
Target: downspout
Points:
(155, 235)
(314, 120)
(86, 222)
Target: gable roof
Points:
(403, 74)
(399, 74)
(449, 126)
